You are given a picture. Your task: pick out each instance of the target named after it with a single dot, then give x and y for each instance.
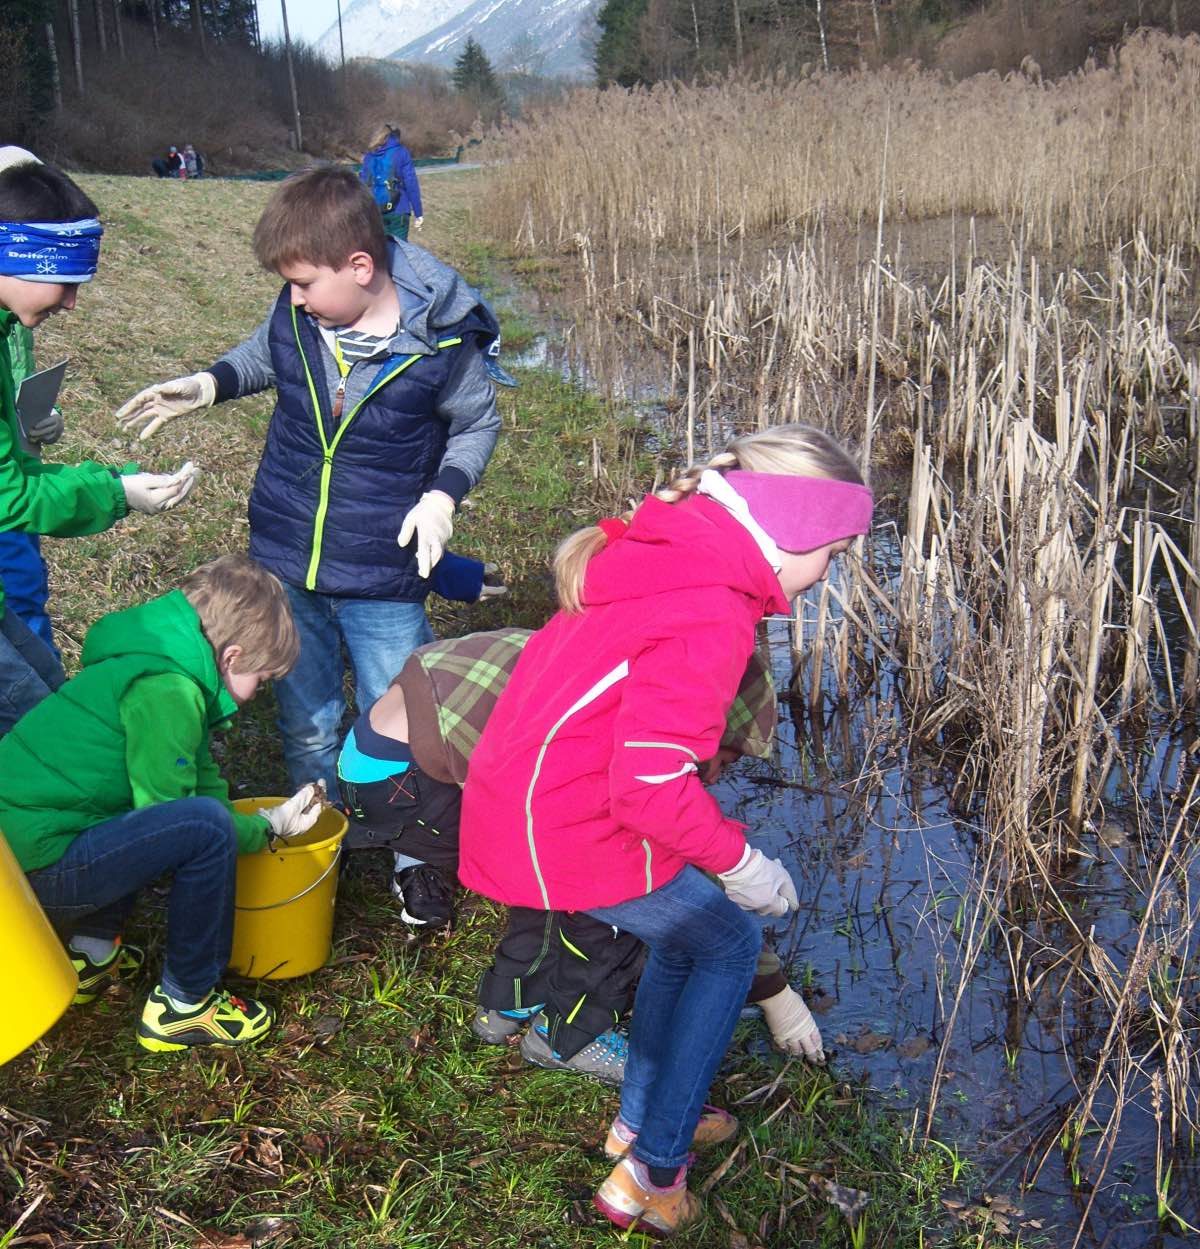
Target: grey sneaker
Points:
(496, 1026)
(604, 1058)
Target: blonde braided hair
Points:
(795, 450)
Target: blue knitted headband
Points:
(50, 251)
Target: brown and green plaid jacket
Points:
(451, 686)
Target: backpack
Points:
(377, 170)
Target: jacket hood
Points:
(670, 547)
(432, 297)
(167, 632)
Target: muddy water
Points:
(885, 876)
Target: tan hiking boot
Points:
(627, 1198)
(715, 1127)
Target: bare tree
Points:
(198, 26)
(101, 34)
(117, 27)
(55, 77)
(77, 43)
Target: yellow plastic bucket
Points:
(283, 909)
(37, 981)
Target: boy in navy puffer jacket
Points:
(385, 417)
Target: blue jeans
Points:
(703, 952)
(26, 581)
(92, 888)
(379, 636)
(29, 669)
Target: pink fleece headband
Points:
(803, 513)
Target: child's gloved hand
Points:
(152, 408)
(431, 519)
(151, 493)
(301, 811)
(493, 584)
(792, 1026)
(48, 429)
(760, 884)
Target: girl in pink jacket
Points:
(583, 793)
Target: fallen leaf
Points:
(214, 1238)
(269, 1155)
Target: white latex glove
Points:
(431, 519)
(418, 222)
(49, 428)
(301, 811)
(793, 1029)
(492, 586)
(152, 408)
(152, 493)
(760, 884)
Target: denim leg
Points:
(703, 952)
(26, 581)
(29, 669)
(380, 635)
(194, 839)
(311, 697)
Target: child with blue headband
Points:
(49, 246)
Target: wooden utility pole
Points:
(77, 43)
(287, 45)
(341, 41)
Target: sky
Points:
(307, 19)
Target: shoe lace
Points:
(612, 1046)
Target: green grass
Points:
(370, 1116)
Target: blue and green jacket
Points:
(331, 491)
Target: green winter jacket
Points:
(130, 730)
(60, 499)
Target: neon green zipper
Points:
(328, 448)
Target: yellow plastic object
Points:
(283, 910)
(37, 981)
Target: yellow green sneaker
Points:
(221, 1019)
(123, 964)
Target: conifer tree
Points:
(474, 77)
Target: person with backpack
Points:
(389, 174)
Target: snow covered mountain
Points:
(538, 36)
(375, 27)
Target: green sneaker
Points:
(221, 1019)
(94, 978)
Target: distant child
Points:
(49, 246)
(389, 174)
(385, 416)
(133, 793)
(566, 974)
(584, 791)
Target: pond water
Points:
(888, 874)
(886, 877)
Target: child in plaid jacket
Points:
(401, 772)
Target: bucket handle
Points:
(271, 906)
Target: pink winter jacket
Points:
(583, 790)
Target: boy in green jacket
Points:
(49, 246)
(142, 796)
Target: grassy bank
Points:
(371, 1116)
